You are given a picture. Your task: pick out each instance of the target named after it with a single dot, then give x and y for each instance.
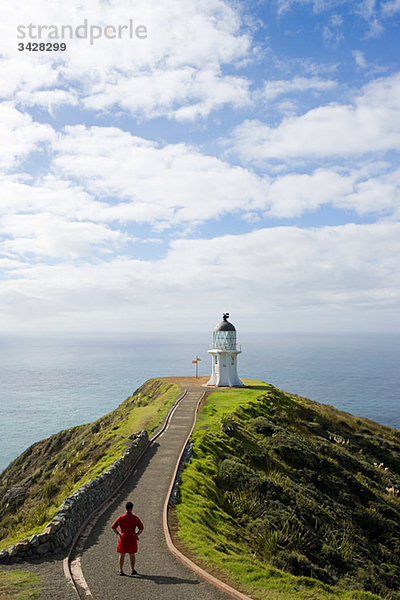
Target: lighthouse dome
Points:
(224, 337)
(225, 326)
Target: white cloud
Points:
(375, 194)
(48, 98)
(348, 271)
(333, 36)
(370, 124)
(318, 5)
(390, 8)
(20, 135)
(368, 10)
(276, 88)
(177, 71)
(19, 76)
(54, 237)
(373, 189)
(149, 183)
(346, 260)
(373, 13)
(47, 195)
(66, 216)
(107, 176)
(360, 59)
(292, 195)
(184, 93)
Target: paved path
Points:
(160, 574)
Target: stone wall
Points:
(78, 507)
(186, 458)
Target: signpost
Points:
(196, 362)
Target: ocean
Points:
(51, 382)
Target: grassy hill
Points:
(290, 499)
(293, 499)
(34, 485)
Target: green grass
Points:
(19, 585)
(283, 496)
(52, 469)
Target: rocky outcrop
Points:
(78, 507)
(14, 497)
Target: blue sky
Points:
(242, 157)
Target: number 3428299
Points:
(42, 46)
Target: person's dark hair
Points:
(129, 505)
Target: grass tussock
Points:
(35, 484)
(293, 499)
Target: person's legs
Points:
(121, 560)
(132, 558)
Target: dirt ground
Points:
(188, 381)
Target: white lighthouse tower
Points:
(224, 351)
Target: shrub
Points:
(229, 425)
(246, 502)
(233, 474)
(263, 426)
(294, 562)
(50, 489)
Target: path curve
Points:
(161, 575)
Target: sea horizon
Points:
(55, 380)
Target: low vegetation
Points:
(293, 499)
(34, 486)
(19, 585)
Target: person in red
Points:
(130, 528)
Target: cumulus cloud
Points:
(147, 182)
(183, 93)
(54, 237)
(292, 195)
(55, 196)
(20, 135)
(373, 189)
(72, 217)
(178, 70)
(20, 78)
(345, 270)
(370, 124)
(133, 179)
(316, 264)
(109, 177)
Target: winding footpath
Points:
(161, 575)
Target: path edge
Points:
(170, 544)
(73, 578)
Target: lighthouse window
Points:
(232, 361)
(215, 359)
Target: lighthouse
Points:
(224, 351)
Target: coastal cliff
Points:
(64, 468)
(285, 497)
(292, 499)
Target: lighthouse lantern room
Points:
(224, 351)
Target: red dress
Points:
(127, 541)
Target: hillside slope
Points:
(34, 485)
(293, 499)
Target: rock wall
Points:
(175, 497)
(78, 507)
